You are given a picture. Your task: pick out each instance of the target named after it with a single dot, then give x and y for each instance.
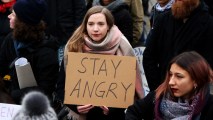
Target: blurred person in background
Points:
(28, 40)
(62, 18)
(137, 13)
(5, 10)
(187, 27)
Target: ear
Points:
(195, 85)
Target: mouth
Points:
(95, 35)
(174, 90)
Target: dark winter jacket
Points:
(122, 17)
(155, 13)
(63, 17)
(42, 57)
(4, 25)
(210, 6)
(171, 37)
(144, 109)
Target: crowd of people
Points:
(177, 59)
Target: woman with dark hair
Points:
(28, 40)
(184, 95)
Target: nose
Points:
(172, 80)
(95, 28)
(10, 16)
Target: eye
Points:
(180, 76)
(101, 23)
(90, 23)
(170, 73)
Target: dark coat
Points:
(144, 109)
(155, 13)
(63, 17)
(43, 60)
(171, 37)
(123, 20)
(4, 96)
(4, 25)
(210, 5)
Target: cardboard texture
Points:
(25, 74)
(100, 80)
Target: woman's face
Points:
(12, 17)
(97, 27)
(180, 82)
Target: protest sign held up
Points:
(100, 80)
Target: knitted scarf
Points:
(114, 44)
(181, 109)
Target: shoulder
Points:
(208, 109)
(151, 96)
(7, 42)
(148, 100)
(46, 53)
(125, 42)
(210, 101)
(47, 48)
(142, 109)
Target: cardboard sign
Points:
(7, 111)
(100, 80)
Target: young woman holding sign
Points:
(97, 34)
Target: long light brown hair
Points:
(195, 65)
(76, 41)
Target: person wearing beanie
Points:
(35, 106)
(28, 40)
(30, 11)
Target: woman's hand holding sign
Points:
(83, 109)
